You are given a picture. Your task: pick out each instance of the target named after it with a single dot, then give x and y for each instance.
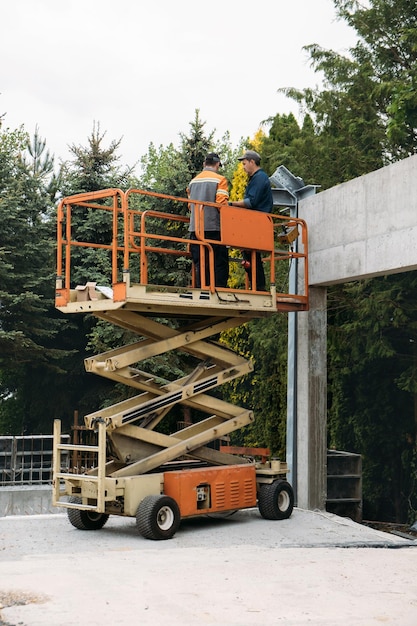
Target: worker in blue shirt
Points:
(258, 196)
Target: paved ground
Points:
(314, 568)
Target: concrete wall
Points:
(311, 436)
(26, 500)
(363, 228)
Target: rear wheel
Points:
(158, 517)
(276, 501)
(86, 520)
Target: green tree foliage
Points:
(373, 382)
(388, 46)
(298, 148)
(348, 133)
(166, 170)
(195, 147)
(169, 170)
(366, 112)
(264, 342)
(29, 357)
(93, 167)
(42, 372)
(239, 177)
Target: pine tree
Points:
(29, 356)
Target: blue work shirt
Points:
(258, 194)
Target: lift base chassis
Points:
(160, 500)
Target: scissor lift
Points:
(139, 471)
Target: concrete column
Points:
(312, 402)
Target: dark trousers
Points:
(260, 274)
(221, 260)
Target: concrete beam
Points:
(364, 228)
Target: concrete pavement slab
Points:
(314, 568)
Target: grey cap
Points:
(213, 157)
(250, 155)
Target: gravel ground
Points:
(314, 568)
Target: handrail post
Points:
(127, 217)
(101, 465)
(59, 220)
(56, 461)
(68, 248)
(114, 238)
(143, 258)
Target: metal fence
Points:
(27, 460)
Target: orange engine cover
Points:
(212, 489)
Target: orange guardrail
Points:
(137, 229)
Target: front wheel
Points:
(276, 501)
(86, 520)
(158, 517)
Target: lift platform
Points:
(138, 469)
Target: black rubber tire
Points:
(86, 520)
(158, 517)
(276, 501)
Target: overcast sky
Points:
(140, 69)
